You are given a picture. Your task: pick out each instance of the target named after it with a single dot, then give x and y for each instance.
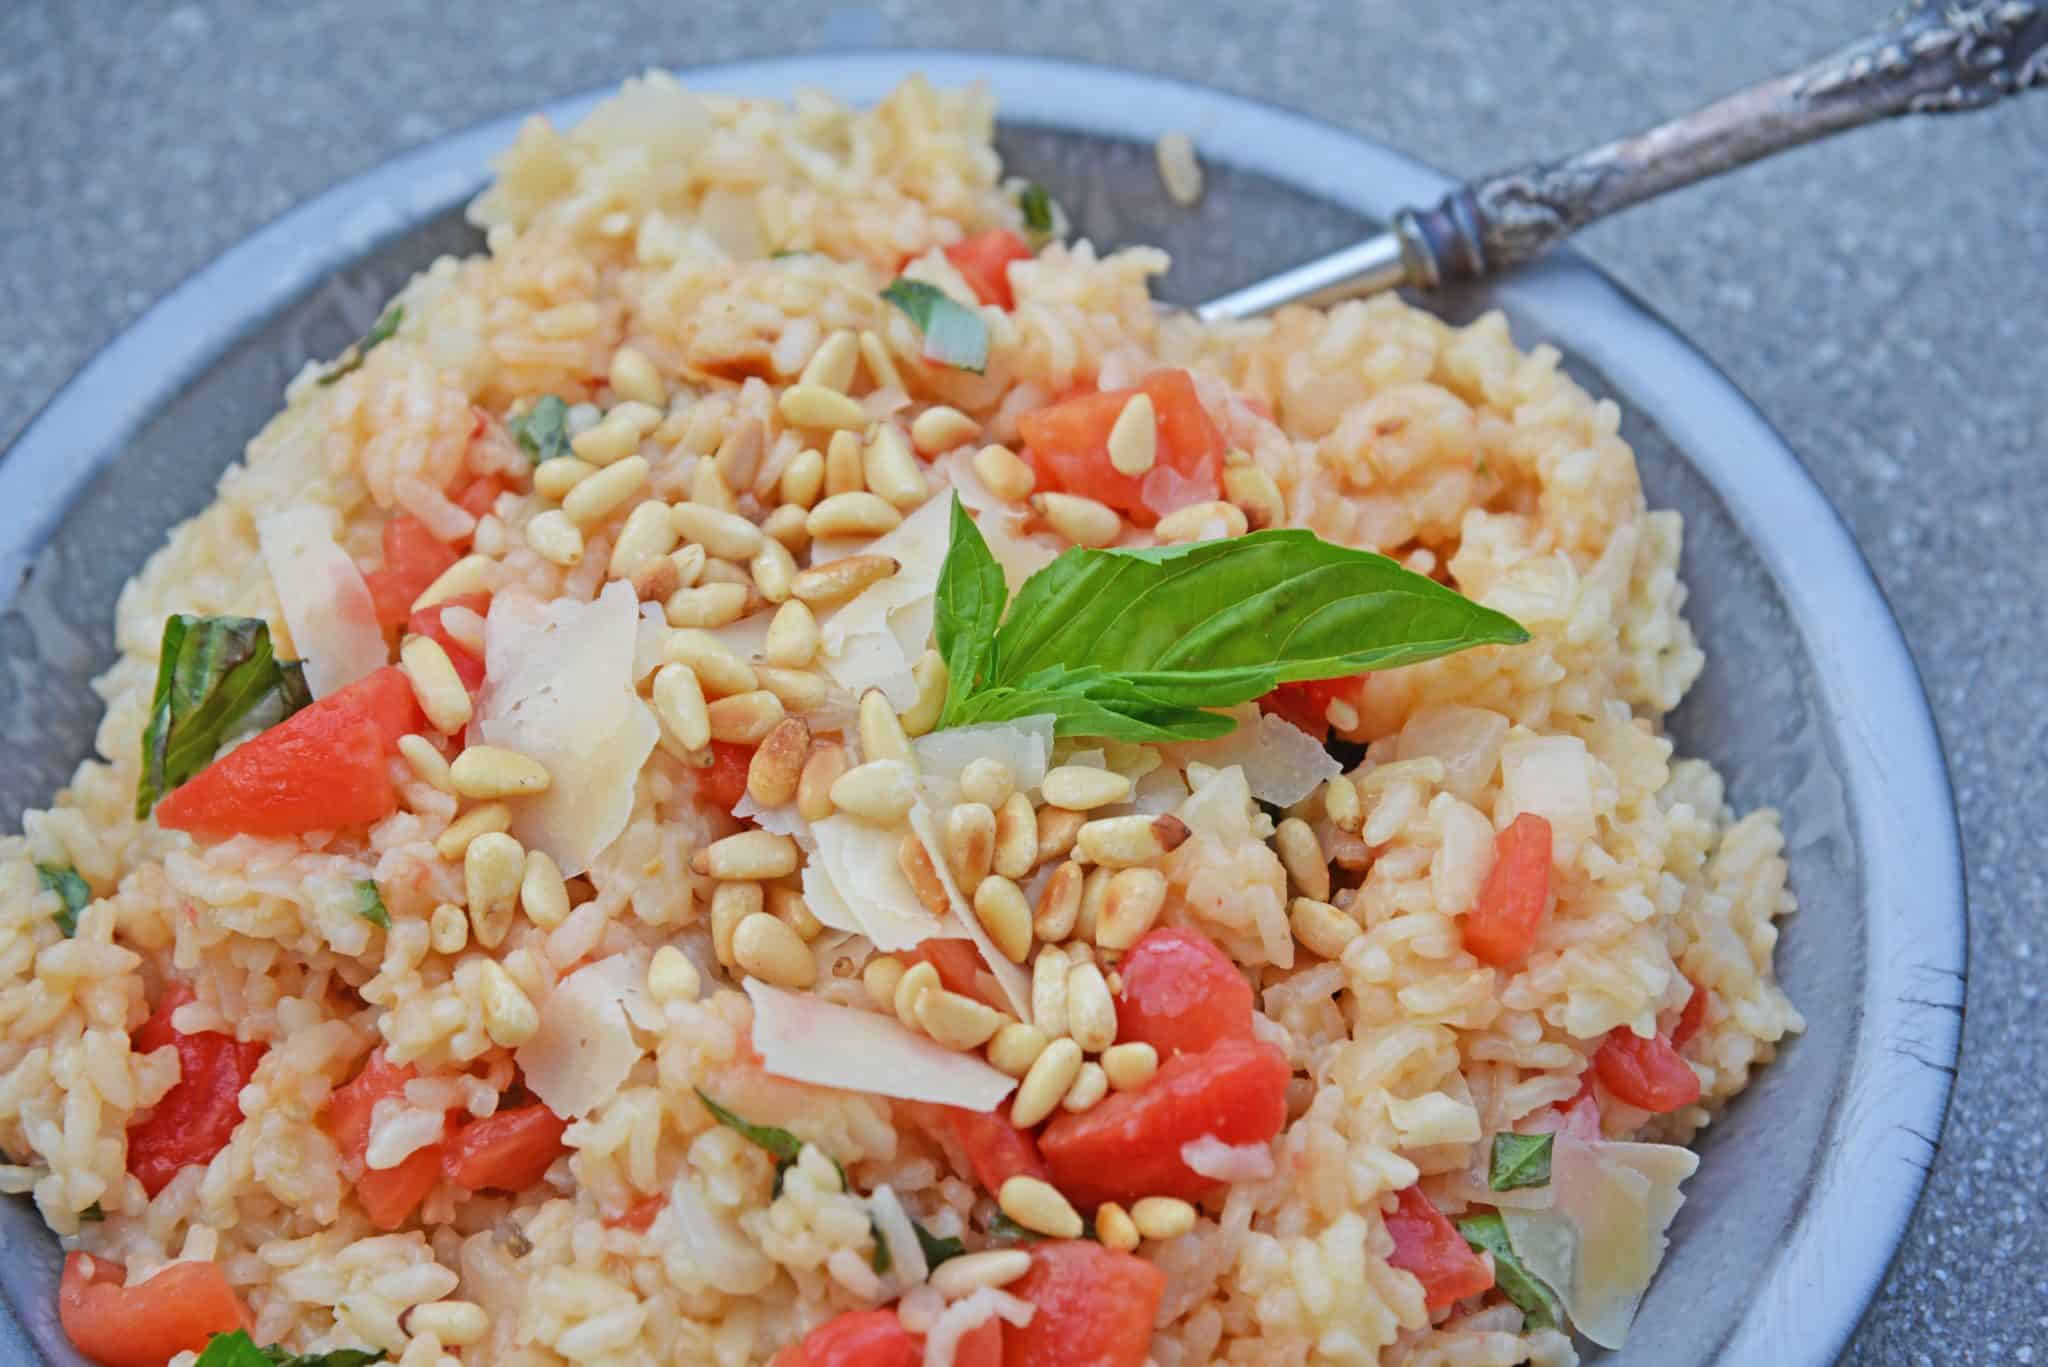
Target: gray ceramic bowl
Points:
(1809, 702)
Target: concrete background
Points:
(1881, 298)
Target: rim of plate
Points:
(1906, 820)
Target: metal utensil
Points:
(1929, 59)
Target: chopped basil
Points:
(370, 903)
(787, 252)
(239, 1350)
(1520, 1160)
(936, 1250)
(92, 1215)
(781, 1145)
(543, 430)
(968, 606)
(70, 889)
(1003, 1230)
(1486, 1232)
(380, 332)
(1036, 206)
(217, 679)
(881, 1259)
(954, 334)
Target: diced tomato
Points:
(388, 1195)
(197, 1117)
(1646, 1073)
(981, 1346)
(984, 263)
(477, 497)
(996, 1149)
(1181, 994)
(1429, 1247)
(1068, 443)
(1691, 1018)
(1128, 1145)
(862, 1338)
(723, 782)
(427, 622)
(1095, 1307)
(638, 1216)
(960, 969)
(1502, 924)
(322, 768)
(144, 1325)
(1307, 704)
(413, 559)
(509, 1151)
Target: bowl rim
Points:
(1825, 1275)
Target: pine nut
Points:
(941, 428)
(1134, 437)
(920, 978)
(955, 1021)
(1091, 1084)
(1255, 491)
(644, 538)
(1005, 473)
(725, 535)
(838, 580)
(617, 435)
(774, 570)
(1135, 899)
(732, 903)
(744, 718)
(1082, 788)
(429, 765)
(679, 704)
(843, 465)
(1000, 907)
(736, 462)
(1094, 894)
(803, 479)
(769, 950)
(471, 574)
(435, 684)
(831, 365)
(1015, 1048)
(465, 627)
(989, 782)
(707, 605)
(509, 1015)
(671, 977)
(968, 1273)
(788, 906)
(778, 763)
(600, 495)
(929, 674)
(487, 771)
(970, 837)
(853, 514)
(1163, 1217)
(555, 538)
(881, 734)
(1114, 1228)
(453, 843)
(891, 471)
(814, 786)
(555, 478)
(1121, 840)
(880, 792)
(1301, 854)
(719, 672)
(750, 855)
(709, 487)
(492, 868)
(814, 406)
(799, 690)
(634, 377)
(874, 354)
(657, 580)
(1057, 831)
(1059, 903)
(1199, 522)
(1321, 927)
(1082, 521)
(1049, 991)
(1091, 1011)
(1130, 1066)
(1039, 1207)
(1043, 1087)
(448, 929)
(542, 892)
(1016, 834)
(786, 524)
(916, 863)
(793, 637)
(881, 976)
(1341, 804)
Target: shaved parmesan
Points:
(783, 820)
(1014, 982)
(808, 1040)
(860, 863)
(1162, 790)
(326, 604)
(746, 638)
(1466, 739)
(1220, 1162)
(1552, 777)
(649, 641)
(1020, 555)
(872, 641)
(1600, 1243)
(585, 1047)
(906, 1254)
(560, 689)
(825, 902)
(1025, 745)
(1220, 808)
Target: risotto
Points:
(781, 767)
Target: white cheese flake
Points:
(873, 639)
(327, 606)
(859, 861)
(1025, 745)
(808, 1040)
(585, 1046)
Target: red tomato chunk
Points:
(1128, 1146)
(1501, 926)
(1306, 705)
(509, 1151)
(1691, 1018)
(144, 1325)
(859, 1338)
(996, 1149)
(984, 263)
(1068, 443)
(389, 1195)
(1427, 1246)
(413, 559)
(1095, 1308)
(427, 622)
(1181, 994)
(197, 1117)
(1645, 1073)
(723, 782)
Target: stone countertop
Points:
(1870, 295)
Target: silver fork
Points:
(1928, 59)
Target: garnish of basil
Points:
(239, 1350)
(72, 890)
(380, 332)
(1142, 645)
(543, 430)
(954, 334)
(1486, 1232)
(1002, 1230)
(370, 903)
(217, 678)
(936, 1250)
(1520, 1160)
(780, 1144)
(1036, 206)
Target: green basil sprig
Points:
(543, 430)
(954, 334)
(370, 903)
(781, 1145)
(1036, 206)
(382, 331)
(239, 1350)
(71, 890)
(1520, 1160)
(1486, 1232)
(216, 678)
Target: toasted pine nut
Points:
(1200, 521)
(657, 580)
(929, 673)
(736, 462)
(1135, 899)
(1301, 854)
(1039, 1207)
(968, 1273)
(1049, 990)
(769, 950)
(793, 637)
(1015, 1048)
(1321, 927)
(555, 478)
(1000, 907)
(671, 977)
(940, 428)
(542, 893)
(778, 763)
(920, 978)
(725, 572)
(634, 377)
(891, 471)
(679, 704)
(448, 929)
(429, 765)
(774, 570)
(732, 903)
(1130, 1066)
(814, 406)
(874, 354)
(1341, 804)
(1091, 1011)
(725, 535)
(1059, 903)
(709, 487)
(435, 684)
(1082, 521)
(786, 524)
(1082, 787)
(881, 734)
(1163, 1217)
(1114, 1228)
(853, 514)
(989, 782)
(1047, 1082)
(1091, 1084)
(1253, 490)
(1121, 840)
(471, 574)
(803, 479)
(814, 786)
(616, 435)
(745, 718)
(838, 580)
(881, 791)
(454, 842)
(831, 365)
(788, 906)
(970, 836)
(1057, 831)
(509, 1015)
(1134, 436)
(644, 538)
(800, 690)
(492, 868)
(718, 670)
(554, 537)
(598, 496)
(844, 472)
(465, 627)
(486, 771)
(1016, 834)
(916, 862)
(880, 976)
(1005, 473)
(955, 1021)
(1094, 894)
(707, 605)
(748, 855)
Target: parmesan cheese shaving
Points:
(859, 861)
(1020, 555)
(1011, 979)
(1282, 763)
(825, 902)
(327, 606)
(803, 1038)
(649, 640)
(873, 639)
(1025, 745)
(585, 1046)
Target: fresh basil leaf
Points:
(787, 252)
(1091, 703)
(936, 1250)
(1486, 1232)
(380, 332)
(882, 1259)
(780, 1144)
(954, 334)
(542, 431)
(1036, 206)
(370, 903)
(1003, 1230)
(72, 890)
(967, 607)
(239, 1350)
(1520, 1160)
(215, 675)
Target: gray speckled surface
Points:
(1880, 298)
